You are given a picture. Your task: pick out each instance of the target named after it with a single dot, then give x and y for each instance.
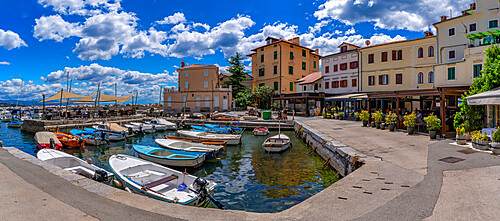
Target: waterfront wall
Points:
(341, 157)
(66, 125)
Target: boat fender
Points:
(80, 140)
(100, 176)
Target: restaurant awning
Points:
(491, 97)
(483, 34)
(62, 95)
(347, 96)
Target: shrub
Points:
(364, 116)
(341, 114)
(379, 117)
(496, 136)
(461, 130)
(357, 114)
(391, 118)
(410, 120)
(433, 123)
(478, 136)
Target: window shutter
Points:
(393, 55)
(380, 79)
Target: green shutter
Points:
(275, 55)
(451, 73)
(262, 58)
(290, 69)
(304, 65)
(291, 86)
(314, 64)
(275, 86)
(291, 56)
(477, 70)
(275, 69)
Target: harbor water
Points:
(249, 178)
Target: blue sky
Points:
(139, 44)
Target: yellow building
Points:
(198, 90)
(280, 63)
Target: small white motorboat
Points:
(260, 131)
(146, 128)
(160, 121)
(277, 143)
(212, 151)
(74, 164)
(166, 157)
(231, 139)
(162, 183)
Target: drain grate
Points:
(336, 128)
(467, 151)
(451, 159)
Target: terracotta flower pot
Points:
(411, 130)
(365, 123)
(377, 124)
(392, 127)
(481, 144)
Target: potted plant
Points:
(365, 117)
(378, 117)
(382, 126)
(495, 145)
(480, 140)
(433, 125)
(461, 139)
(410, 121)
(357, 116)
(341, 115)
(391, 119)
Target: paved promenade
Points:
(402, 179)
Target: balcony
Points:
(484, 38)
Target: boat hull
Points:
(230, 140)
(194, 163)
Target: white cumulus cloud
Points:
(173, 19)
(11, 40)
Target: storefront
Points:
(491, 99)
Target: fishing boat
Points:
(162, 183)
(116, 128)
(260, 131)
(277, 143)
(160, 121)
(231, 139)
(48, 140)
(211, 151)
(197, 140)
(70, 141)
(90, 138)
(74, 164)
(15, 124)
(175, 158)
(5, 116)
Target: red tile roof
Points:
(311, 78)
(198, 66)
(286, 41)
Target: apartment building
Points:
(280, 63)
(340, 70)
(198, 89)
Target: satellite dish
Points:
(367, 42)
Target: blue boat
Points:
(168, 157)
(234, 129)
(213, 130)
(90, 137)
(15, 124)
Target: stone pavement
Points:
(402, 179)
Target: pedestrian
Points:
(1, 143)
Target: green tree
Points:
(243, 99)
(263, 96)
(471, 116)
(238, 75)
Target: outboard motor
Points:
(100, 176)
(130, 131)
(52, 143)
(80, 140)
(200, 185)
(201, 188)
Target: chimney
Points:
(295, 40)
(473, 6)
(464, 12)
(428, 33)
(316, 51)
(182, 64)
(443, 18)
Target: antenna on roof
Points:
(451, 13)
(429, 26)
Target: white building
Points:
(341, 70)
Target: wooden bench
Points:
(160, 181)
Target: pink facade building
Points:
(341, 70)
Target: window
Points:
(472, 27)
(314, 64)
(383, 79)
(186, 73)
(275, 85)
(353, 65)
(399, 78)
(451, 32)
(261, 72)
(205, 84)
(262, 58)
(207, 101)
(304, 88)
(335, 68)
(290, 69)
(335, 84)
(304, 65)
(184, 100)
(451, 73)
(275, 69)
(493, 24)
(169, 101)
(477, 70)
(275, 55)
(431, 51)
(343, 49)
(354, 83)
(303, 53)
(343, 83)
(343, 66)
(291, 56)
(291, 86)
(327, 69)
(371, 58)
(430, 77)
(397, 55)
(327, 85)
(371, 80)
(186, 84)
(205, 73)
(262, 84)
(451, 54)
(384, 56)
(420, 52)
(198, 101)
(216, 100)
(420, 78)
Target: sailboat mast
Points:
(69, 90)
(97, 96)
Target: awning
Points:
(103, 98)
(491, 97)
(62, 95)
(483, 34)
(86, 100)
(347, 96)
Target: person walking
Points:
(1, 143)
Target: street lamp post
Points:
(43, 111)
